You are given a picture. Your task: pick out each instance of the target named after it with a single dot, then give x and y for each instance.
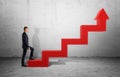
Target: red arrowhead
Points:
(101, 15)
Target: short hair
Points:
(25, 28)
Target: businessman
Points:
(25, 46)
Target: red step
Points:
(83, 40)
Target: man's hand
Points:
(28, 48)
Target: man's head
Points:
(25, 29)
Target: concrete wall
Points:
(51, 20)
(12, 20)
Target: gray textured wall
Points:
(51, 20)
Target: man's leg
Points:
(31, 54)
(23, 56)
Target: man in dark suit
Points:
(25, 46)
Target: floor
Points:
(69, 67)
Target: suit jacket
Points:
(25, 40)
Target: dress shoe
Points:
(31, 58)
(24, 65)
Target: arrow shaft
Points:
(84, 29)
(102, 24)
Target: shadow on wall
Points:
(36, 42)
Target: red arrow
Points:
(84, 29)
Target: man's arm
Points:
(25, 40)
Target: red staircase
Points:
(83, 40)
